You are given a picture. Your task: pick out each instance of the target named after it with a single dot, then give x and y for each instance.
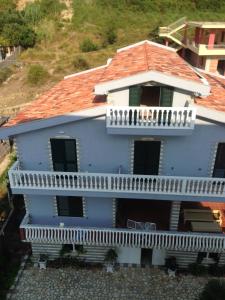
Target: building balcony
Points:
(132, 120)
(205, 49)
(116, 237)
(116, 185)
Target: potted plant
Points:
(110, 260)
(42, 262)
(171, 265)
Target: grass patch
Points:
(5, 73)
(80, 63)
(4, 176)
(37, 75)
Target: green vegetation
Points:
(214, 290)
(197, 269)
(5, 74)
(37, 75)
(88, 45)
(57, 36)
(80, 63)
(15, 31)
(8, 272)
(4, 176)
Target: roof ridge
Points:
(146, 56)
(86, 71)
(210, 73)
(151, 43)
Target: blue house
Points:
(128, 156)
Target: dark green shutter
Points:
(134, 96)
(166, 96)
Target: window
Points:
(219, 167)
(151, 96)
(70, 206)
(64, 155)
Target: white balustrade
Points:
(151, 117)
(121, 183)
(124, 237)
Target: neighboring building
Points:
(200, 43)
(130, 155)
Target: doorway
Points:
(146, 257)
(219, 166)
(151, 96)
(146, 157)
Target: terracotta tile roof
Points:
(69, 95)
(76, 92)
(216, 99)
(146, 57)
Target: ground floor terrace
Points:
(142, 228)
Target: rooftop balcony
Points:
(116, 185)
(98, 236)
(132, 120)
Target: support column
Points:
(174, 215)
(211, 40)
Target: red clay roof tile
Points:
(76, 92)
(216, 99)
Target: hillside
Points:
(107, 24)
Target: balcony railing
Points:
(24, 181)
(151, 117)
(123, 237)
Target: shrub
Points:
(88, 45)
(214, 290)
(216, 270)
(4, 74)
(37, 75)
(80, 63)
(197, 269)
(111, 256)
(171, 263)
(110, 35)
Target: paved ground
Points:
(132, 284)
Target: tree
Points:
(27, 37)
(19, 35)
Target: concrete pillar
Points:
(213, 65)
(211, 40)
(174, 215)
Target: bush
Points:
(80, 63)
(214, 290)
(197, 269)
(216, 270)
(110, 35)
(4, 74)
(37, 75)
(111, 256)
(87, 45)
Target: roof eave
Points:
(6, 132)
(143, 77)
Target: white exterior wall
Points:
(158, 257)
(128, 255)
(121, 98)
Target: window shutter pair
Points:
(166, 96)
